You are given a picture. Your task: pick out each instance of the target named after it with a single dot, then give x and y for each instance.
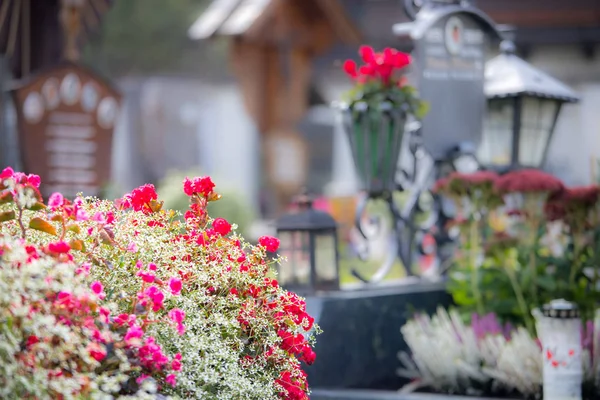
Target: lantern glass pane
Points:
(286, 251)
(301, 256)
(295, 269)
(325, 257)
(497, 139)
(537, 118)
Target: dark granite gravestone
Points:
(361, 333)
(451, 44)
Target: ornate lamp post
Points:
(309, 243)
(523, 107)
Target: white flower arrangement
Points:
(450, 356)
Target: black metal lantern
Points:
(309, 244)
(523, 107)
(375, 135)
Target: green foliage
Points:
(233, 206)
(513, 267)
(375, 93)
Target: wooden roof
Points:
(248, 17)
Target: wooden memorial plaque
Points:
(66, 117)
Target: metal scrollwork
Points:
(422, 215)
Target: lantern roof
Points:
(307, 220)
(507, 75)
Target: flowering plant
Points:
(524, 239)
(194, 306)
(381, 79)
(483, 357)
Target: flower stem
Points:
(520, 299)
(23, 230)
(532, 260)
(474, 267)
(577, 248)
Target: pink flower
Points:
(156, 296)
(171, 380)
(176, 363)
(152, 266)
(97, 288)
(56, 200)
(34, 180)
(105, 313)
(84, 269)
(146, 276)
(81, 215)
(98, 217)
(221, 226)
(177, 315)
(96, 351)
(132, 247)
(110, 218)
(350, 68)
(199, 185)
(133, 335)
(59, 247)
(6, 173)
(269, 242)
(140, 198)
(367, 54)
(175, 285)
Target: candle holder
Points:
(559, 329)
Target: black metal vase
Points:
(375, 134)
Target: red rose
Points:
(221, 226)
(269, 242)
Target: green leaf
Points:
(547, 283)
(42, 225)
(38, 206)
(6, 198)
(7, 216)
(77, 245)
(74, 228)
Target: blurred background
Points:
(198, 101)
